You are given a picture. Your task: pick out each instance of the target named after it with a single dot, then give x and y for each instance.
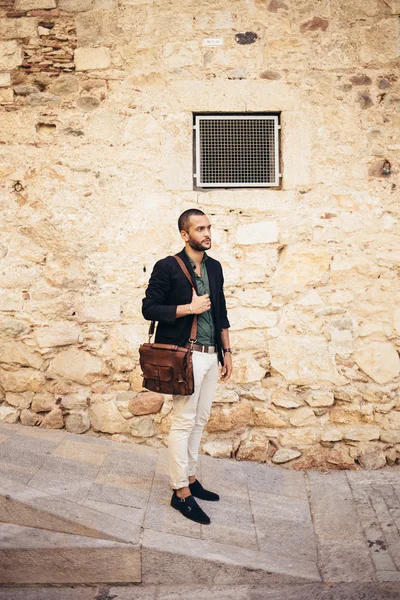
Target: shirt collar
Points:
(205, 257)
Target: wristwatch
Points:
(227, 350)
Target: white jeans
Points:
(190, 414)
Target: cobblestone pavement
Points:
(328, 534)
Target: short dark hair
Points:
(183, 221)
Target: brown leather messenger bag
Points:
(166, 368)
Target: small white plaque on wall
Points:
(213, 41)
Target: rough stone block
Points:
(77, 422)
(320, 398)
(146, 403)
(264, 232)
(362, 434)
(98, 308)
(18, 353)
(300, 265)
(247, 369)
(6, 96)
(76, 365)
(19, 400)
(5, 80)
(142, 427)
(8, 414)
(106, 417)
(75, 5)
(263, 417)
(24, 5)
(299, 437)
(218, 449)
(303, 416)
(53, 420)
(43, 402)
(58, 333)
(91, 59)
(302, 361)
(380, 41)
(285, 455)
(248, 318)
(22, 380)
(379, 360)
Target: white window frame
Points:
(197, 175)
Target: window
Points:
(236, 150)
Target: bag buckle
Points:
(192, 343)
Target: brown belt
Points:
(199, 348)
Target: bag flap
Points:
(157, 372)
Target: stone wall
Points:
(96, 102)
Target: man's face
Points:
(199, 234)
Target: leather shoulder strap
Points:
(193, 332)
(184, 269)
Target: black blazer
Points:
(168, 287)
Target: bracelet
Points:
(191, 309)
(227, 350)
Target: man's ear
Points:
(184, 235)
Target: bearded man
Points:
(172, 302)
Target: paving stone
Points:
(231, 521)
(124, 513)
(344, 561)
(168, 559)
(54, 435)
(275, 480)
(29, 555)
(223, 470)
(120, 490)
(8, 428)
(26, 506)
(281, 507)
(81, 452)
(17, 472)
(18, 451)
(329, 485)
(64, 477)
(46, 593)
(388, 576)
(386, 476)
(386, 521)
(336, 520)
(209, 593)
(286, 537)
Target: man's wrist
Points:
(227, 350)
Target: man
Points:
(172, 302)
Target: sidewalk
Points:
(81, 510)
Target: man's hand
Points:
(226, 370)
(200, 304)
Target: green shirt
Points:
(205, 323)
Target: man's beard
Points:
(196, 246)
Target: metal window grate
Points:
(237, 151)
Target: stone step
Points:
(23, 505)
(29, 555)
(167, 559)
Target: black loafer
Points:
(190, 509)
(199, 492)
